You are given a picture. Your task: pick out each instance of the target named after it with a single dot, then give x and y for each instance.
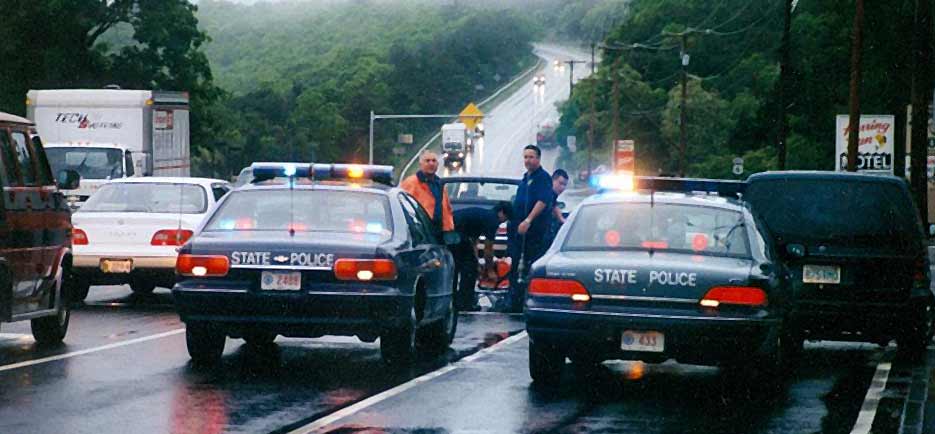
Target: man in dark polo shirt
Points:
(470, 224)
(532, 210)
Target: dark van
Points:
(856, 256)
(35, 233)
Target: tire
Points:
(76, 289)
(440, 334)
(259, 339)
(140, 285)
(915, 341)
(545, 364)
(51, 330)
(398, 345)
(205, 344)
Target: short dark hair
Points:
(560, 173)
(505, 207)
(534, 148)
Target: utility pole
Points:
(571, 74)
(683, 117)
(854, 112)
(921, 94)
(784, 85)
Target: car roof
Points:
(168, 180)
(485, 179)
(709, 200)
(11, 118)
(372, 187)
(788, 175)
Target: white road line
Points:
(375, 399)
(872, 400)
(90, 350)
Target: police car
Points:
(311, 250)
(677, 269)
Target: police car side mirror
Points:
(795, 250)
(560, 204)
(68, 180)
(931, 231)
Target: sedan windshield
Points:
(667, 227)
(148, 197)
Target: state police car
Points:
(655, 275)
(309, 250)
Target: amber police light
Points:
(79, 237)
(202, 266)
(171, 237)
(559, 288)
(365, 269)
(734, 295)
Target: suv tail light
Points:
(920, 273)
(202, 266)
(559, 288)
(171, 237)
(736, 295)
(79, 237)
(365, 269)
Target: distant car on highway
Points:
(305, 251)
(35, 223)
(545, 136)
(538, 80)
(856, 253)
(665, 272)
(129, 230)
(453, 155)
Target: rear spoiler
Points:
(720, 187)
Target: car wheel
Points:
(398, 345)
(76, 289)
(439, 335)
(140, 285)
(259, 339)
(205, 343)
(915, 341)
(51, 330)
(545, 364)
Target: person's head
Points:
(531, 156)
(428, 163)
(504, 211)
(559, 181)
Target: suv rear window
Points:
(846, 213)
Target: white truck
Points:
(454, 144)
(106, 134)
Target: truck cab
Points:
(453, 154)
(96, 163)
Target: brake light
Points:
(365, 269)
(920, 273)
(559, 288)
(171, 237)
(79, 237)
(202, 266)
(737, 295)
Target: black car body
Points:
(482, 192)
(303, 257)
(855, 250)
(655, 276)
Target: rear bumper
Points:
(158, 268)
(295, 314)
(688, 339)
(862, 322)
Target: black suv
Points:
(856, 256)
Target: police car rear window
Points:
(472, 190)
(304, 211)
(148, 198)
(664, 227)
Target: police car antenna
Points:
(291, 206)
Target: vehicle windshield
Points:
(304, 211)
(811, 211)
(90, 163)
(474, 190)
(692, 229)
(453, 146)
(148, 197)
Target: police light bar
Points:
(720, 187)
(618, 181)
(266, 171)
(351, 172)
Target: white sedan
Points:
(129, 230)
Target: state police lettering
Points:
(672, 278)
(298, 259)
(250, 258)
(615, 276)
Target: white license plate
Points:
(649, 341)
(117, 266)
(281, 281)
(829, 274)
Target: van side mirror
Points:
(68, 180)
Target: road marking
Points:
(868, 410)
(90, 350)
(323, 422)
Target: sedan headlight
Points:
(461, 154)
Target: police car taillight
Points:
(171, 237)
(559, 288)
(79, 237)
(365, 269)
(202, 266)
(734, 295)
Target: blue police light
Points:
(353, 172)
(266, 171)
(618, 181)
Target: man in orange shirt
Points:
(426, 187)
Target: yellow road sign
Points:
(471, 116)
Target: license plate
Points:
(648, 341)
(281, 281)
(117, 266)
(830, 274)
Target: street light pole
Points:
(370, 160)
